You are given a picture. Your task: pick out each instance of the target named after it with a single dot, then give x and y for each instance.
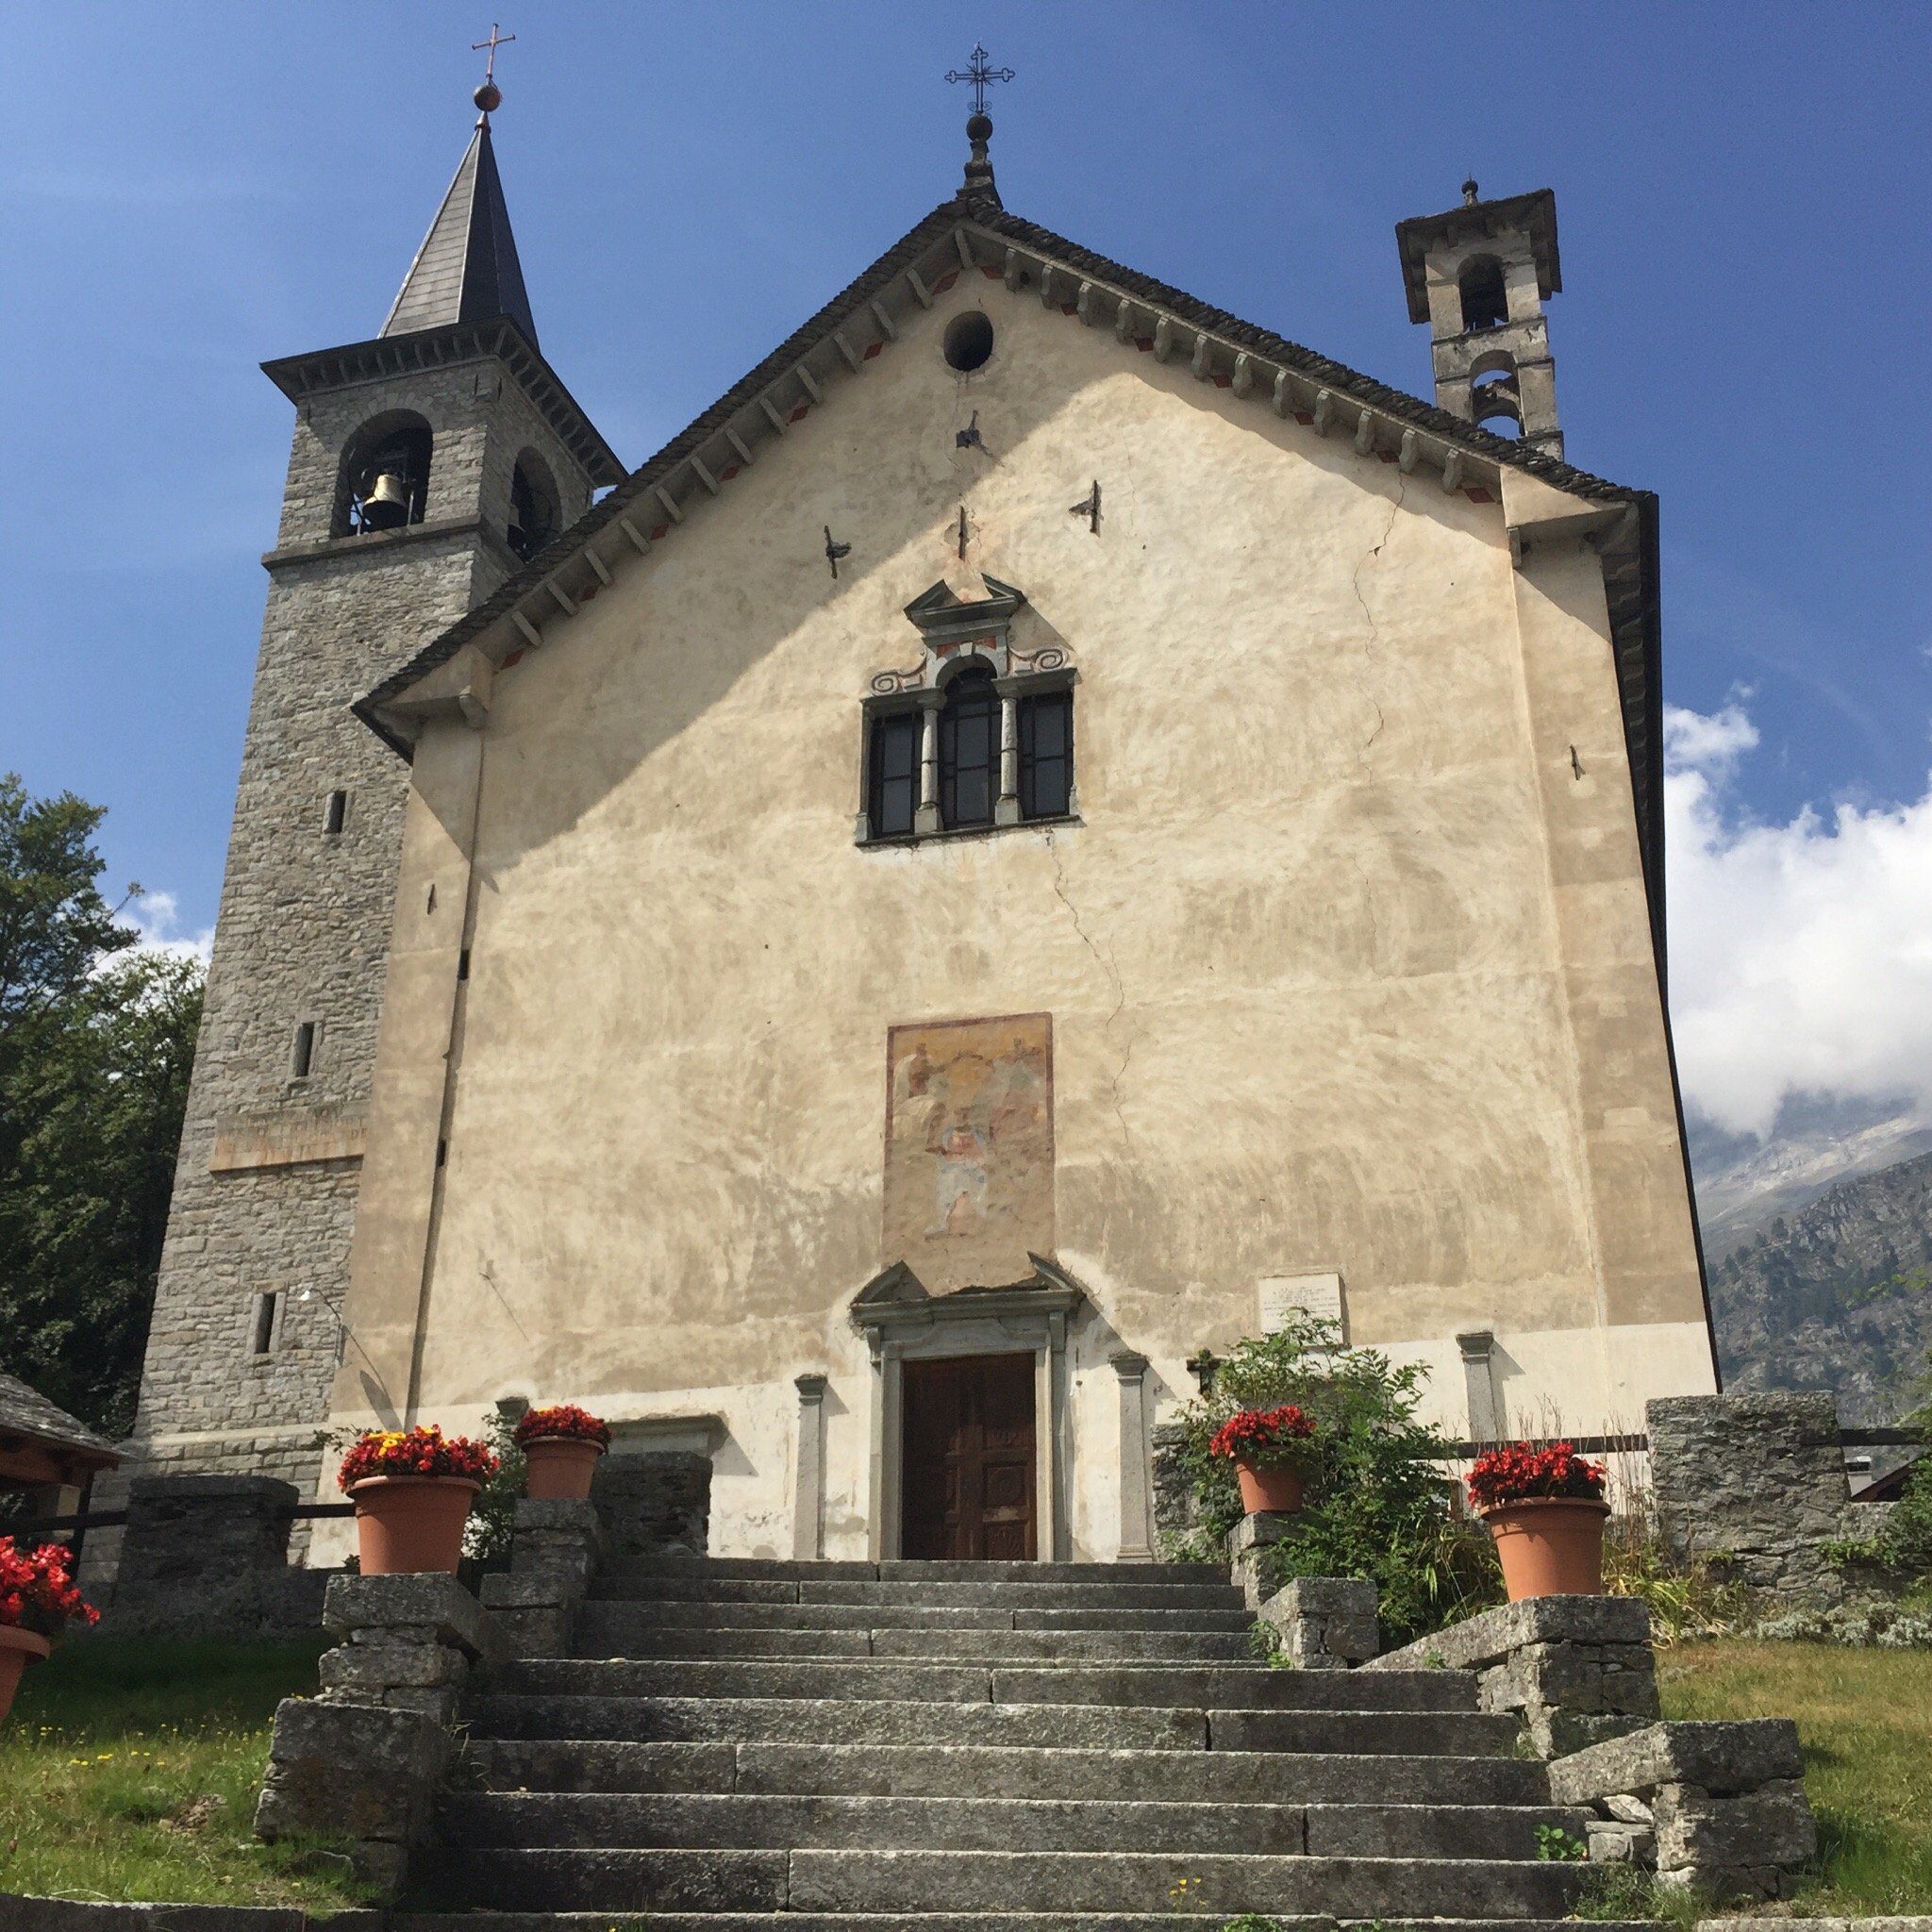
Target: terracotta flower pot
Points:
(18, 1648)
(1550, 1545)
(410, 1523)
(556, 1468)
(1276, 1490)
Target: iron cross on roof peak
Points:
(980, 71)
(490, 95)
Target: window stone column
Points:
(809, 1504)
(926, 819)
(1137, 1538)
(1006, 811)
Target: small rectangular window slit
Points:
(334, 813)
(463, 963)
(441, 1152)
(303, 1057)
(263, 1335)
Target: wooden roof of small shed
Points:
(24, 1412)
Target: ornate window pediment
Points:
(978, 735)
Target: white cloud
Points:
(1713, 743)
(1801, 954)
(156, 918)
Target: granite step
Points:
(955, 1771)
(1137, 1686)
(616, 1619)
(890, 1720)
(596, 1639)
(833, 1882)
(666, 1586)
(890, 1921)
(932, 1921)
(908, 1570)
(765, 1821)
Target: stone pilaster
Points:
(1137, 1519)
(808, 1491)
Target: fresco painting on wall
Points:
(969, 1149)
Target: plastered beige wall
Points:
(1347, 969)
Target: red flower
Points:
(1520, 1472)
(415, 1452)
(1265, 1436)
(566, 1420)
(37, 1589)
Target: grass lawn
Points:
(130, 1772)
(1865, 1720)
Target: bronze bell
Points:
(387, 506)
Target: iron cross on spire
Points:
(495, 40)
(981, 72)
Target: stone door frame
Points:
(902, 1323)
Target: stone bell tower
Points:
(1479, 276)
(429, 461)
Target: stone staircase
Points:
(999, 1747)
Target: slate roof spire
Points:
(467, 268)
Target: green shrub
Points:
(1377, 1505)
(493, 1513)
(1903, 1546)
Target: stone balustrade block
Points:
(428, 1603)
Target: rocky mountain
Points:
(1835, 1295)
(1744, 1183)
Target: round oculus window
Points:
(969, 340)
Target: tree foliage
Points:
(1903, 1545)
(1378, 1504)
(96, 1043)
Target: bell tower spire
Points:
(429, 463)
(467, 268)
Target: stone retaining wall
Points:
(204, 1553)
(1754, 1485)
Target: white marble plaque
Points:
(1314, 1294)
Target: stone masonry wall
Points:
(267, 1174)
(1754, 1485)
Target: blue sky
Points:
(1743, 199)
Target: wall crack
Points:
(1355, 582)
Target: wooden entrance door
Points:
(968, 1467)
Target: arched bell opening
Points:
(533, 510)
(385, 476)
(1484, 301)
(1495, 400)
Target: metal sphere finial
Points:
(489, 97)
(1469, 191)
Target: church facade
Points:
(1047, 827)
